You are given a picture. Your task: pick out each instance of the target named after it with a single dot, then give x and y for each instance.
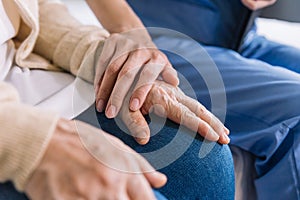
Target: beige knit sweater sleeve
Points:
(24, 135)
(49, 38)
(62, 43)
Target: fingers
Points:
(183, 115)
(148, 75)
(122, 85)
(139, 185)
(138, 97)
(151, 178)
(136, 124)
(208, 117)
(155, 178)
(120, 75)
(139, 189)
(169, 74)
(108, 81)
(170, 101)
(105, 56)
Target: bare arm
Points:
(115, 15)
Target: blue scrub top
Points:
(212, 22)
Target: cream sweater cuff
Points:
(25, 133)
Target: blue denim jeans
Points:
(261, 81)
(202, 170)
(208, 176)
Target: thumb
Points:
(155, 178)
(137, 125)
(169, 74)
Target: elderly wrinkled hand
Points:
(128, 58)
(167, 100)
(258, 4)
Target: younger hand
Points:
(258, 4)
(127, 58)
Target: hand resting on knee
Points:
(169, 101)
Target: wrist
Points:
(124, 28)
(138, 34)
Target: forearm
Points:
(115, 15)
(63, 42)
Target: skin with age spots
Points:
(169, 101)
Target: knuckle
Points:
(186, 114)
(124, 71)
(113, 68)
(147, 72)
(208, 114)
(201, 109)
(112, 180)
(161, 110)
(156, 55)
(128, 74)
(204, 128)
(172, 94)
(137, 53)
(132, 124)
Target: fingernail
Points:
(100, 105)
(227, 138)
(142, 138)
(135, 104)
(159, 175)
(111, 111)
(141, 141)
(214, 134)
(226, 131)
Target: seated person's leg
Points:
(158, 195)
(190, 176)
(274, 53)
(262, 109)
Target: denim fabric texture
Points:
(189, 177)
(262, 85)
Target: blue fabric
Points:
(8, 192)
(262, 85)
(212, 22)
(263, 111)
(190, 176)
